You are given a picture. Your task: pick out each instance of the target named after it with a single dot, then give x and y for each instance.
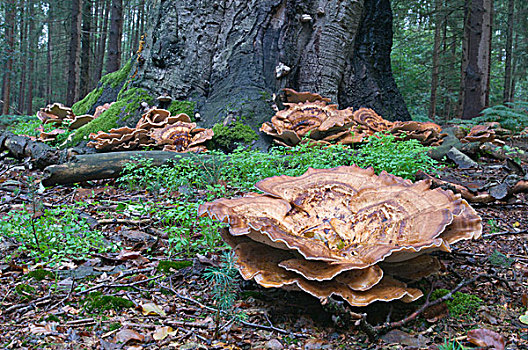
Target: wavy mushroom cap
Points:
(347, 216)
(481, 133)
(370, 119)
(59, 110)
(121, 139)
(80, 120)
(177, 135)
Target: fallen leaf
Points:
(516, 224)
(163, 332)
(152, 309)
(524, 299)
(126, 335)
(524, 318)
(486, 338)
(46, 329)
(399, 337)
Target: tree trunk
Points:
(49, 57)
(32, 46)
(10, 10)
(509, 48)
(23, 54)
(224, 55)
(86, 43)
(436, 54)
(477, 35)
(74, 53)
(116, 33)
(101, 47)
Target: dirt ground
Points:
(173, 309)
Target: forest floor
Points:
(127, 299)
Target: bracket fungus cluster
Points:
(155, 128)
(62, 116)
(308, 114)
(344, 232)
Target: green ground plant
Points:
(500, 260)
(218, 175)
(224, 290)
(53, 235)
(451, 345)
(462, 305)
(97, 302)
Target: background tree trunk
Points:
(86, 43)
(477, 35)
(74, 53)
(509, 48)
(439, 16)
(224, 55)
(114, 40)
(10, 10)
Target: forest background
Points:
(57, 51)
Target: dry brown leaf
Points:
(486, 338)
(163, 332)
(152, 309)
(126, 335)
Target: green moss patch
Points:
(166, 266)
(84, 105)
(40, 274)
(461, 305)
(117, 78)
(226, 137)
(96, 301)
(127, 104)
(187, 107)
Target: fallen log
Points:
(98, 166)
(22, 147)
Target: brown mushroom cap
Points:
(59, 110)
(480, 133)
(413, 269)
(100, 109)
(359, 288)
(292, 96)
(120, 139)
(370, 119)
(80, 120)
(345, 215)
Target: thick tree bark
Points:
(49, 56)
(24, 54)
(224, 55)
(509, 48)
(476, 64)
(74, 53)
(116, 33)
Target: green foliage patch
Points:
(40, 274)
(187, 107)
(166, 266)
(53, 235)
(461, 305)
(96, 302)
(226, 137)
(83, 106)
(116, 78)
(127, 103)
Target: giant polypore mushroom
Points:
(120, 139)
(316, 118)
(328, 231)
(182, 137)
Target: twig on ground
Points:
(130, 222)
(386, 327)
(505, 233)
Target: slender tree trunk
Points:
(86, 43)
(477, 35)
(23, 54)
(74, 53)
(49, 56)
(10, 48)
(509, 47)
(102, 43)
(113, 61)
(436, 53)
(32, 45)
